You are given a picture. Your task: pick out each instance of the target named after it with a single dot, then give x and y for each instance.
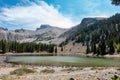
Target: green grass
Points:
(22, 71)
(48, 71)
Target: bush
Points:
(48, 71)
(71, 79)
(118, 69)
(22, 71)
(115, 77)
(5, 77)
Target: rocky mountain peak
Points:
(20, 30)
(43, 27)
(88, 21)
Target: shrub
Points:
(71, 79)
(115, 77)
(5, 77)
(22, 71)
(118, 69)
(48, 71)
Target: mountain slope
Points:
(44, 33)
(84, 22)
(100, 37)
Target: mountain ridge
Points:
(84, 22)
(38, 35)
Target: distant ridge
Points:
(44, 34)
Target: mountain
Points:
(45, 34)
(84, 22)
(1, 28)
(44, 27)
(100, 37)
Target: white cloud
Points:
(32, 16)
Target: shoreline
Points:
(61, 54)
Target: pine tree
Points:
(4, 46)
(88, 49)
(116, 2)
(111, 47)
(93, 48)
(61, 48)
(0, 45)
(55, 49)
(103, 47)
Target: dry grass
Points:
(5, 77)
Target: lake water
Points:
(64, 60)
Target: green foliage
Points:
(117, 47)
(115, 77)
(88, 49)
(93, 48)
(118, 69)
(71, 79)
(6, 77)
(55, 49)
(48, 71)
(116, 2)
(61, 48)
(22, 71)
(17, 47)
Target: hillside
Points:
(84, 22)
(100, 37)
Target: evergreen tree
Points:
(116, 2)
(111, 47)
(24, 47)
(93, 48)
(55, 49)
(88, 49)
(103, 47)
(61, 48)
(98, 50)
(51, 49)
(0, 45)
(4, 46)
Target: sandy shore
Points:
(62, 73)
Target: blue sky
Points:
(30, 14)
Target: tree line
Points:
(16, 47)
(116, 2)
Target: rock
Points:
(71, 79)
